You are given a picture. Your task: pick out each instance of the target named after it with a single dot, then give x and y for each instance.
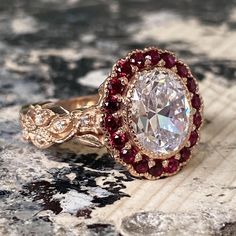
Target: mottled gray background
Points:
(64, 48)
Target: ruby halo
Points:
(152, 113)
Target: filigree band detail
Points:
(44, 127)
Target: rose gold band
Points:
(58, 121)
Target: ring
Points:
(148, 114)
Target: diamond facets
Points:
(160, 111)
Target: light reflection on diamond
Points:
(160, 111)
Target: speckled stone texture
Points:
(64, 48)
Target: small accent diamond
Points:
(39, 119)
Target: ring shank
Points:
(81, 114)
(78, 102)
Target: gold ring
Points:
(148, 114)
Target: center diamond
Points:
(160, 111)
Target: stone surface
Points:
(64, 48)
(170, 224)
(160, 111)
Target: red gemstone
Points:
(153, 56)
(197, 120)
(182, 70)
(196, 101)
(184, 154)
(137, 59)
(191, 84)
(115, 86)
(111, 104)
(193, 138)
(112, 123)
(124, 68)
(118, 140)
(141, 166)
(156, 170)
(172, 166)
(169, 59)
(128, 155)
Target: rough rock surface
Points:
(211, 222)
(58, 49)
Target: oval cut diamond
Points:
(160, 111)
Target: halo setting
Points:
(154, 113)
